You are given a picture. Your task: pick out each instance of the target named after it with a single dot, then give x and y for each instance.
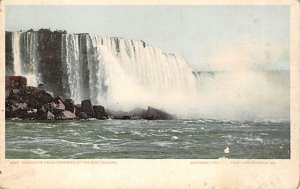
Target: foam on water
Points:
(141, 139)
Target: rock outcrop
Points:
(118, 114)
(65, 114)
(138, 113)
(99, 112)
(156, 114)
(87, 107)
(27, 102)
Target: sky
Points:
(208, 37)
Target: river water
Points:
(142, 139)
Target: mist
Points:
(242, 86)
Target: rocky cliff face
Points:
(9, 57)
(37, 53)
(49, 50)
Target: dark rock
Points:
(41, 86)
(41, 96)
(14, 97)
(99, 112)
(81, 115)
(45, 97)
(50, 106)
(87, 107)
(118, 114)
(50, 66)
(65, 115)
(30, 114)
(78, 108)
(15, 82)
(156, 114)
(15, 91)
(69, 105)
(9, 55)
(10, 113)
(34, 103)
(56, 99)
(69, 101)
(15, 109)
(137, 113)
(32, 90)
(41, 113)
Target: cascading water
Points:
(16, 52)
(119, 69)
(122, 74)
(71, 66)
(26, 58)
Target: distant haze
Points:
(208, 37)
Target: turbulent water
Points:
(123, 74)
(141, 139)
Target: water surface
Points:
(142, 139)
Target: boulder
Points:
(87, 107)
(65, 115)
(50, 116)
(10, 111)
(51, 93)
(41, 113)
(81, 115)
(69, 105)
(50, 106)
(78, 107)
(156, 114)
(34, 103)
(32, 90)
(41, 86)
(15, 91)
(10, 114)
(15, 82)
(30, 114)
(137, 113)
(118, 114)
(56, 99)
(99, 112)
(60, 105)
(21, 106)
(44, 97)
(14, 97)
(69, 101)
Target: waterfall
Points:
(111, 71)
(122, 74)
(71, 66)
(16, 53)
(26, 58)
(117, 68)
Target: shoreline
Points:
(34, 103)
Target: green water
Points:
(141, 139)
